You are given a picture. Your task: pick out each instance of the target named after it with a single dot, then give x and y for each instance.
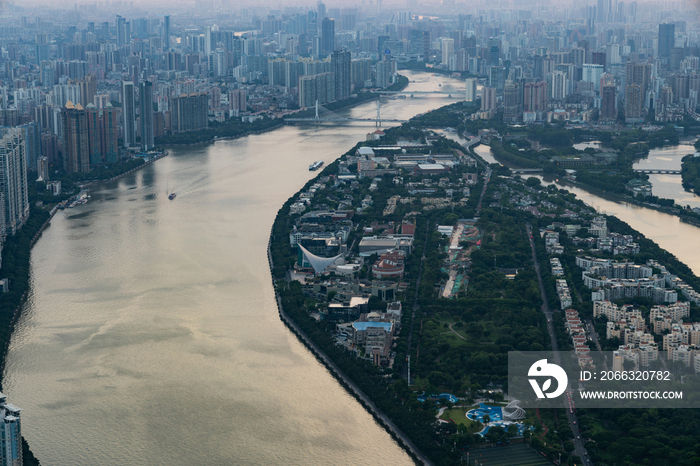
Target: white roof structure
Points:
(319, 264)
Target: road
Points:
(415, 302)
(579, 449)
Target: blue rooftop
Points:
(365, 325)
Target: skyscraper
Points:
(448, 48)
(93, 122)
(10, 433)
(76, 141)
(166, 32)
(146, 110)
(667, 40)
(13, 181)
(340, 67)
(327, 36)
(128, 113)
(109, 134)
(608, 109)
(470, 93)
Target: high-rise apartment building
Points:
(109, 134)
(13, 180)
(93, 123)
(535, 97)
(146, 117)
(470, 93)
(340, 67)
(488, 98)
(10, 433)
(608, 107)
(448, 48)
(129, 113)
(237, 100)
(190, 112)
(634, 104)
(76, 140)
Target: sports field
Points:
(511, 455)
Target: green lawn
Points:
(459, 416)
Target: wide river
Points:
(151, 334)
(666, 230)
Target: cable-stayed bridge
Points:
(323, 115)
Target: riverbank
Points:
(15, 267)
(685, 215)
(341, 377)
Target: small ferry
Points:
(172, 196)
(316, 165)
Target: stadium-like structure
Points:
(319, 264)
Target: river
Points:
(151, 335)
(666, 230)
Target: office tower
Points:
(320, 11)
(207, 41)
(470, 93)
(190, 112)
(633, 103)
(109, 134)
(128, 113)
(448, 48)
(327, 36)
(494, 51)
(93, 122)
(76, 139)
(10, 433)
(166, 32)
(488, 98)
(578, 56)
(121, 30)
(608, 109)
(13, 180)
(667, 39)
(384, 70)
(535, 97)
(146, 110)
(340, 67)
(419, 46)
(592, 74)
(42, 50)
